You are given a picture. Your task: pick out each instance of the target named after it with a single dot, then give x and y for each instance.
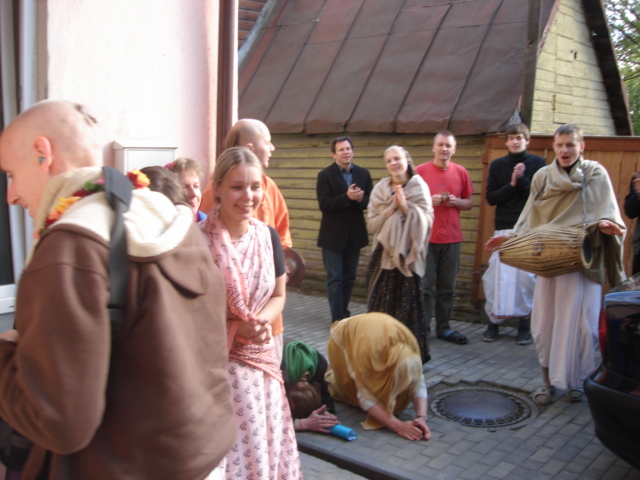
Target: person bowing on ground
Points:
(376, 366)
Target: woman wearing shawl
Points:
(249, 255)
(400, 216)
(564, 321)
(303, 369)
(376, 365)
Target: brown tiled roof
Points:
(396, 66)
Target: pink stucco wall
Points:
(146, 68)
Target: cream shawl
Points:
(561, 203)
(404, 237)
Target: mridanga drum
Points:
(549, 250)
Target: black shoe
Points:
(491, 333)
(524, 333)
(453, 336)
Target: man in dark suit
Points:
(343, 194)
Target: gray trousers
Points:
(443, 261)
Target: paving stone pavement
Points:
(315, 469)
(558, 443)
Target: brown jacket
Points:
(158, 405)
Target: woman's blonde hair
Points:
(407, 155)
(230, 159)
(183, 164)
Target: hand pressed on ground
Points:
(412, 429)
(319, 421)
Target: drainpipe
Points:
(227, 71)
(530, 62)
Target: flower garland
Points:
(137, 178)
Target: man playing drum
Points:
(574, 191)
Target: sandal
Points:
(453, 337)
(542, 395)
(575, 395)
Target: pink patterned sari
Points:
(265, 447)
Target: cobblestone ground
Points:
(558, 443)
(315, 469)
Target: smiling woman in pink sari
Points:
(250, 257)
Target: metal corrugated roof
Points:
(391, 66)
(248, 14)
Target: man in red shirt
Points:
(451, 190)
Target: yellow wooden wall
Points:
(298, 159)
(569, 85)
(295, 165)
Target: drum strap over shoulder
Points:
(541, 191)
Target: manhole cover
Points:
(484, 407)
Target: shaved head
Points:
(244, 131)
(69, 129)
(48, 139)
(253, 134)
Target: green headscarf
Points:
(299, 358)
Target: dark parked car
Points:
(613, 391)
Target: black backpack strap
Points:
(14, 447)
(118, 190)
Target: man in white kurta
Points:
(508, 290)
(565, 308)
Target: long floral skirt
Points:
(401, 297)
(265, 446)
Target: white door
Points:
(7, 276)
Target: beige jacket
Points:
(561, 203)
